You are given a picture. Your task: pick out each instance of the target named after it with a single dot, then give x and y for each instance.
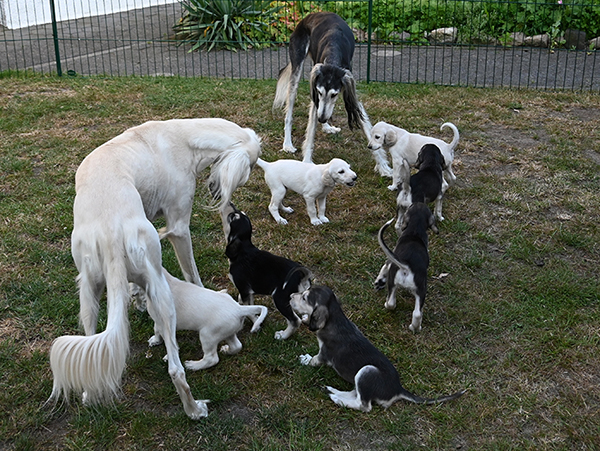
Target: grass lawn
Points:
(512, 311)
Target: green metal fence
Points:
(522, 44)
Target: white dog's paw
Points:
(393, 187)
(305, 359)
(201, 410)
(155, 340)
(384, 171)
(390, 305)
(289, 148)
(324, 219)
(316, 221)
(284, 334)
(282, 221)
(225, 349)
(327, 128)
(287, 209)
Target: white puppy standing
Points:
(313, 181)
(403, 145)
(214, 314)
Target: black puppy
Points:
(254, 271)
(352, 356)
(427, 185)
(407, 265)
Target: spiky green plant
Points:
(228, 24)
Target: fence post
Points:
(55, 38)
(369, 41)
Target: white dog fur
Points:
(403, 145)
(147, 171)
(215, 315)
(313, 181)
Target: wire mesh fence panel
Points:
(521, 44)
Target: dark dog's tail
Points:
(304, 281)
(408, 396)
(387, 251)
(283, 83)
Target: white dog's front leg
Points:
(311, 130)
(311, 209)
(321, 203)
(381, 163)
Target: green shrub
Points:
(229, 24)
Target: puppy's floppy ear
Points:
(319, 318)
(390, 137)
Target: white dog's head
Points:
(339, 170)
(382, 135)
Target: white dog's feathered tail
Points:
(232, 169)
(283, 83)
(94, 365)
(456, 134)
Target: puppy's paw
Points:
(225, 349)
(393, 187)
(282, 221)
(289, 148)
(327, 128)
(324, 219)
(287, 209)
(390, 305)
(305, 359)
(379, 283)
(155, 340)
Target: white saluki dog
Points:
(330, 43)
(147, 171)
(403, 145)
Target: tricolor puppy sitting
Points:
(352, 356)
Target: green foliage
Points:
(229, 24)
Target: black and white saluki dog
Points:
(329, 41)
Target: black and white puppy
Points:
(427, 185)
(407, 265)
(343, 347)
(254, 271)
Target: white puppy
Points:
(403, 145)
(313, 181)
(214, 314)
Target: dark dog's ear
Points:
(356, 114)
(315, 73)
(419, 159)
(233, 248)
(390, 138)
(319, 318)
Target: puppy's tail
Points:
(408, 396)
(387, 251)
(256, 313)
(456, 137)
(283, 83)
(262, 164)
